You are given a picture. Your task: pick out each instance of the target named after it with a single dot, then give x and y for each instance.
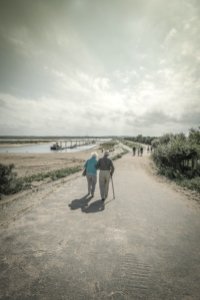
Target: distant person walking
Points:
(91, 173)
(134, 149)
(141, 150)
(105, 165)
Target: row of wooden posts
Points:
(61, 145)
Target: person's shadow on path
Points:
(83, 204)
(80, 203)
(96, 206)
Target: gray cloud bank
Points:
(99, 67)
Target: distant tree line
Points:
(141, 139)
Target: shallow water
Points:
(42, 148)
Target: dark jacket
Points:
(105, 164)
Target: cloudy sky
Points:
(99, 67)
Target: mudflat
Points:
(28, 164)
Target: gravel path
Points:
(142, 245)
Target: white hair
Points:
(94, 154)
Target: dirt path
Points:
(142, 245)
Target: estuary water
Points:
(42, 148)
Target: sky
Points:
(99, 67)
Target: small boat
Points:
(56, 147)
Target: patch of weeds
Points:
(180, 179)
(53, 175)
(192, 184)
(57, 174)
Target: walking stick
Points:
(113, 188)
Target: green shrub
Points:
(7, 176)
(174, 154)
(9, 183)
(178, 156)
(108, 145)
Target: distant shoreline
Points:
(14, 144)
(9, 141)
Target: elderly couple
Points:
(105, 165)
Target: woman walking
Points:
(91, 173)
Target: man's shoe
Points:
(102, 199)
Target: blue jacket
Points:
(90, 166)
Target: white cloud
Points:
(129, 67)
(171, 36)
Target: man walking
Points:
(105, 165)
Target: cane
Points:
(113, 187)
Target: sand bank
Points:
(28, 164)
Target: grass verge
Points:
(53, 175)
(179, 178)
(192, 184)
(15, 185)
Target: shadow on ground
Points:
(80, 203)
(83, 204)
(96, 206)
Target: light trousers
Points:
(91, 180)
(104, 178)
